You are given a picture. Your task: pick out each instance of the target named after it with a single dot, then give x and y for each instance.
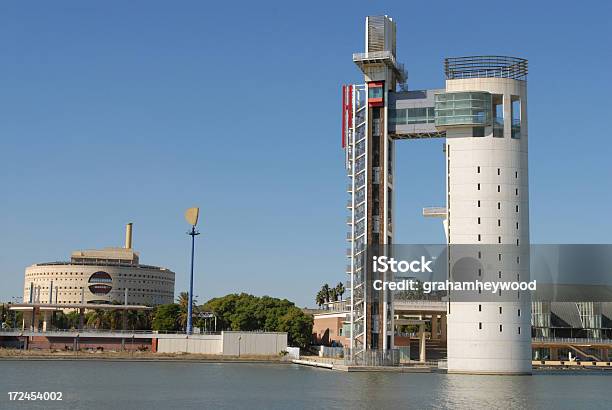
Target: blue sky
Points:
(117, 111)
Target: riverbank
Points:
(17, 354)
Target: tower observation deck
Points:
(485, 127)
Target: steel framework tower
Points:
(369, 159)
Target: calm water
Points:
(154, 385)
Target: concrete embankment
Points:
(16, 354)
(336, 365)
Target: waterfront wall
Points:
(224, 343)
(254, 343)
(227, 343)
(202, 344)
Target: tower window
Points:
(499, 239)
(479, 237)
(479, 187)
(516, 117)
(480, 308)
(480, 325)
(479, 203)
(500, 328)
(499, 205)
(498, 116)
(519, 313)
(498, 171)
(519, 330)
(478, 220)
(478, 169)
(499, 222)
(500, 310)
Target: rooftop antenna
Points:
(191, 216)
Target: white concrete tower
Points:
(484, 113)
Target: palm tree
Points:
(96, 319)
(320, 299)
(183, 302)
(340, 289)
(333, 295)
(325, 290)
(113, 318)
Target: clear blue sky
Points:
(119, 111)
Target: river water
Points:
(175, 385)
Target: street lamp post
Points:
(191, 215)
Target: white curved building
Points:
(484, 113)
(109, 275)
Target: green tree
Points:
(248, 312)
(320, 298)
(325, 290)
(97, 319)
(183, 302)
(166, 318)
(333, 295)
(298, 327)
(340, 289)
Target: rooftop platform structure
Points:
(485, 67)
